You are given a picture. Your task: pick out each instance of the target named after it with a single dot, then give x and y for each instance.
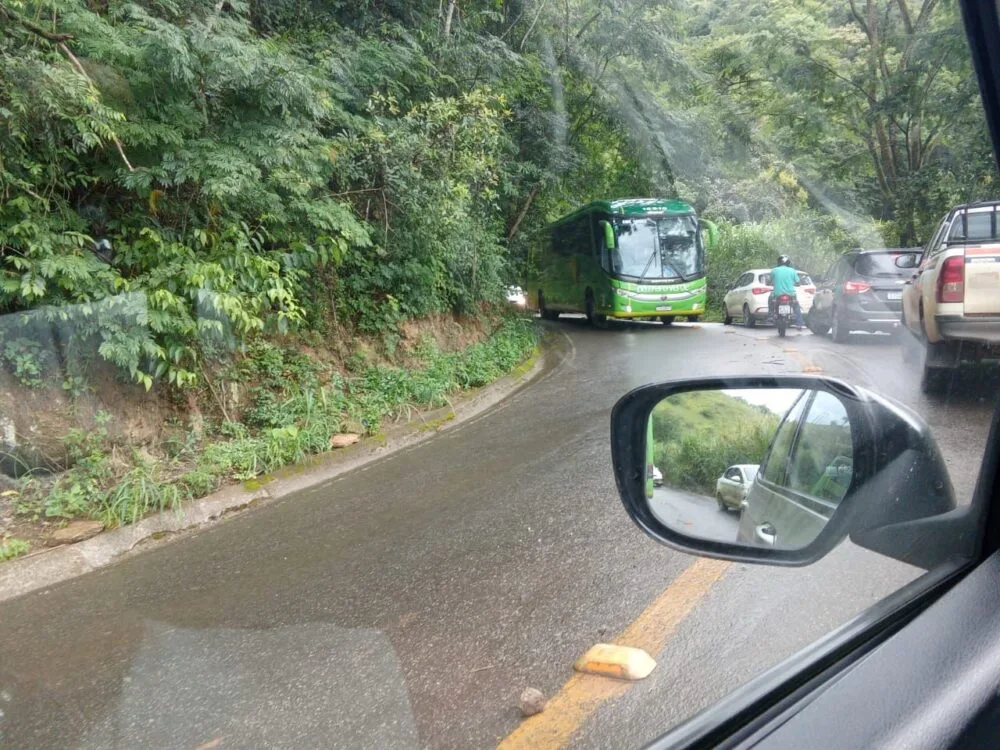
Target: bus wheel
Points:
(667, 320)
(543, 311)
(693, 318)
(598, 321)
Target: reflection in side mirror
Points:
(780, 469)
(908, 260)
(761, 467)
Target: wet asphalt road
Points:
(695, 514)
(408, 604)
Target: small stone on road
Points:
(531, 702)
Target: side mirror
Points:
(908, 260)
(609, 235)
(710, 233)
(835, 462)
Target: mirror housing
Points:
(900, 500)
(609, 235)
(907, 260)
(711, 233)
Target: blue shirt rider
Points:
(784, 279)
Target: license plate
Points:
(784, 309)
(661, 308)
(894, 295)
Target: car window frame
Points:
(795, 449)
(937, 243)
(766, 460)
(744, 714)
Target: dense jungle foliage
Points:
(318, 164)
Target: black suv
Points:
(862, 291)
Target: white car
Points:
(734, 484)
(516, 296)
(657, 477)
(747, 297)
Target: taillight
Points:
(951, 280)
(760, 290)
(784, 298)
(810, 289)
(856, 287)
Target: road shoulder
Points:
(50, 566)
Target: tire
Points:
(727, 319)
(722, 505)
(934, 380)
(814, 324)
(543, 311)
(748, 320)
(838, 330)
(693, 318)
(667, 320)
(595, 319)
(782, 326)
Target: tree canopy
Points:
(271, 164)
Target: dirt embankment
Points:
(48, 426)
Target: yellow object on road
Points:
(620, 662)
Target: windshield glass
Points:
(803, 280)
(881, 264)
(314, 315)
(659, 248)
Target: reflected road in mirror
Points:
(763, 467)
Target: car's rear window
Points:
(880, 264)
(979, 226)
(804, 279)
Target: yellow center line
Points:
(582, 694)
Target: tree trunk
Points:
(523, 212)
(448, 16)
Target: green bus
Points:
(637, 258)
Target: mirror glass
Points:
(908, 260)
(758, 467)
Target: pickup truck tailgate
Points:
(982, 280)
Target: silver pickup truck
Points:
(951, 306)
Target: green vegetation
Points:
(294, 408)
(698, 435)
(284, 176)
(12, 547)
(297, 166)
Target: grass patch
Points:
(13, 547)
(698, 435)
(294, 407)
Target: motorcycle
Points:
(783, 312)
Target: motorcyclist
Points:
(783, 281)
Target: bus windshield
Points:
(658, 248)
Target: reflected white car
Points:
(734, 484)
(657, 477)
